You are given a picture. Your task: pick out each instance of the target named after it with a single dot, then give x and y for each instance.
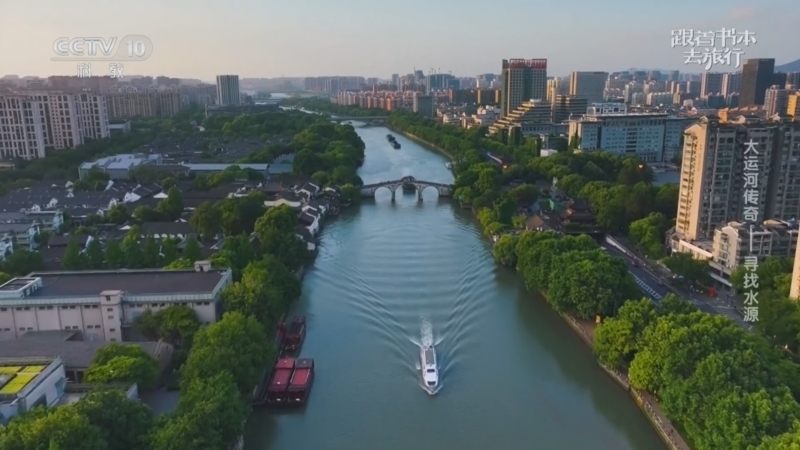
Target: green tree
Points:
(192, 251)
(132, 249)
(147, 214)
(22, 262)
(285, 246)
(172, 206)
(616, 339)
(174, 324)
(95, 258)
(114, 255)
(524, 195)
(504, 209)
(140, 370)
(169, 251)
(118, 214)
(152, 252)
(207, 220)
(129, 425)
(504, 250)
(691, 270)
(281, 218)
(74, 258)
(210, 415)
(53, 428)
(180, 263)
(235, 344)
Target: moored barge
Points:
(301, 382)
(295, 335)
(277, 391)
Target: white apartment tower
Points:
(588, 85)
(228, 93)
(21, 127)
(33, 122)
(523, 80)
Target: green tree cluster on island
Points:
(727, 388)
(329, 153)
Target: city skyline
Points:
(316, 39)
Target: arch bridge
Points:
(363, 121)
(444, 190)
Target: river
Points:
(514, 375)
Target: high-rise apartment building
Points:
(396, 81)
(712, 173)
(34, 122)
(423, 105)
(731, 83)
(757, 77)
(22, 126)
(710, 84)
(144, 103)
(588, 85)
(228, 93)
(523, 80)
(776, 100)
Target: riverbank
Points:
(422, 142)
(647, 404)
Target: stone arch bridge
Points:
(444, 190)
(363, 122)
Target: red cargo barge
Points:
(279, 382)
(295, 334)
(301, 382)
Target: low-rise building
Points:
(24, 235)
(104, 304)
(49, 221)
(26, 383)
(736, 240)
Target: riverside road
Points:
(514, 376)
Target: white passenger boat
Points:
(430, 370)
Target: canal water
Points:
(513, 375)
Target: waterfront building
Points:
(424, 105)
(103, 305)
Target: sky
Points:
(271, 38)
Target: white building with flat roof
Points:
(650, 137)
(104, 304)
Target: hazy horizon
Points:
(315, 38)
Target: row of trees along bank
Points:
(727, 388)
(218, 365)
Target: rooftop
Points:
(133, 282)
(124, 161)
